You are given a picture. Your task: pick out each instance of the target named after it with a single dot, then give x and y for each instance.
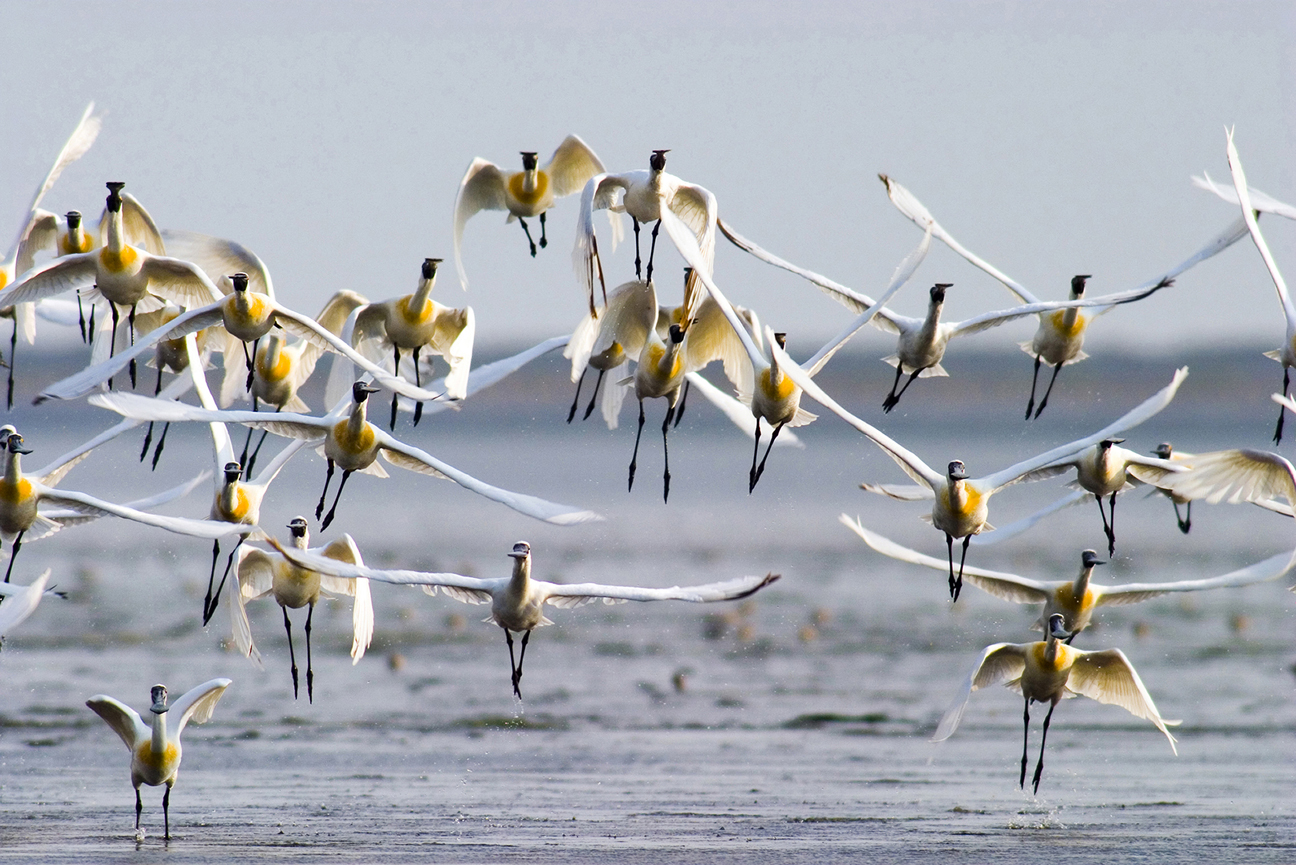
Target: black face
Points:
(298, 527)
(159, 696)
(657, 161)
(360, 391)
(520, 550)
(430, 267)
(938, 291)
(15, 444)
(676, 335)
(114, 196)
(957, 471)
(1078, 284)
(232, 472)
(1090, 558)
(1163, 451)
(240, 281)
(528, 160)
(73, 220)
(781, 339)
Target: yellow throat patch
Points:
(517, 188)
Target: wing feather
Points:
(998, 663)
(1108, 677)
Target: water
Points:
(800, 732)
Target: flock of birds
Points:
(175, 299)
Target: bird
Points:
(1238, 475)
(517, 601)
(609, 342)
(1076, 600)
(1050, 671)
(155, 746)
(648, 194)
(659, 373)
(414, 323)
(261, 574)
(123, 274)
(1059, 339)
(21, 601)
(960, 506)
(1166, 451)
(526, 193)
(348, 441)
(1287, 354)
(1259, 201)
(922, 342)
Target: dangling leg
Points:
(395, 396)
(81, 317)
(157, 454)
(13, 350)
(1111, 537)
(751, 475)
(166, 812)
(666, 454)
(292, 656)
(544, 241)
(328, 478)
(526, 635)
(889, 402)
(508, 636)
(131, 319)
(895, 400)
(139, 808)
(589, 409)
(1030, 403)
(638, 269)
(1048, 390)
(634, 459)
(1286, 381)
(251, 363)
(652, 250)
(229, 563)
(91, 330)
(112, 340)
(310, 671)
(211, 579)
(148, 440)
(333, 510)
(530, 242)
(571, 413)
(1185, 523)
(418, 380)
(13, 553)
(760, 471)
(247, 442)
(1111, 542)
(958, 583)
(1039, 767)
(679, 414)
(257, 451)
(1025, 743)
(949, 544)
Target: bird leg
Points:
(210, 610)
(652, 250)
(395, 396)
(1030, 403)
(761, 470)
(139, 808)
(91, 330)
(1039, 767)
(679, 414)
(544, 241)
(751, 475)
(112, 340)
(1056, 369)
(157, 454)
(310, 671)
(530, 242)
(166, 812)
(517, 674)
(251, 363)
(1286, 381)
(1111, 537)
(13, 350)
(328, 478)
(949, 544)
(571, 413)
(1185, 522)
(292, 656)
(589, 409)
(252, 459)
(1025, 742)
(333, 510)
(81, 317)
(894, 399)
(148, 440)
(1108, 529)
(638, 262)
(670, 413)
(211, 579)
(131, 319)
(634, 459)
(247, 442)
(418, 381)
(13, 553)
(958, 583)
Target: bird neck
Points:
(933, 315)
(1082, 583)
(13, 468)
(229, 498)
(1070, 315)
(301, 542)
(521, 580)
(159, 732)
(116, 239)
(357, 421)
(529, 180)
(419, 299)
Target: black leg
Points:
(1039, 767)
(638, 261)
(130, 317)
(1107, 529)
(157, 454)
(890, 401)
(666, 451)
(634, 459)
(112, 340)
(166, 812)
(544, 241)
(247, 443)
(530, 242)
(211, 578)
(333, 510)
(1030, 403)
(215, 599)
(589, 409)
(292, 656)
(256, 343)
(139, 808)
(256, 452)
(571, 413)
(1185, 524)
(1286, 382)
(418, 381)
(895, 400)
(148, 440)
(751, 475)
(949, 544)
(958, 583)
(1048, 390)
(1111, 537)
(602, 282)
(91, 331)
(508, 637)
(1025, 742)
(157, 388)
(526, 635)
(328, 478)
(13, 350)
(310, 671)
(13, 554)
(652, 249)
(395, 396)
(679, 412)
(761, 469)
(81, 317)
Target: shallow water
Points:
(799, 732)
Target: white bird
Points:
(1075, 600)
(1260, 202)
(1166, 451)
(1287, 354)
(525, 193)
(1060, 336)
(517, 601)
(1238, 475)
(922, 342)
(155, 747)
(647, 195)
(21, 601)
(348, 441)
(960, 506)
(261, 575)
(1050, 671)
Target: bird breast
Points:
(351, 449)
(295, 587)
(233, 505)
(408, 327)
(1045, 677)
(777, 403)
(524, 201)
(1076, 608)
(1101, 472)
(17, 506)
(659, 371)
(249, 320)
(517, 614)
(643, 200)
(118, 275)
(1057, 340)
(960, 510)
(153, 768)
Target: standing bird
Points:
(517, 601)
(1060, 336)
(525, 193)
(155, 749)
(1048, 672)
(1075, 600)
(647, 195)
(261, 574)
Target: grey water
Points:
(792, 727)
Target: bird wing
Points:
(1013, 529)
(197, 704)
(179, 281)
(452, 338)
(1000, 662)
(473, 587)
(1259, 200)
(138, 227)
(696, 207)
(710, 337)
(52, 278)
(298, 426)
(255, 579)
(80, 141)
(911, 207)
(571, 166)
(628, 316)
(124, 720)
(739, 414)
(209, 529)
(599, 193)
(1238, 475)
(578, 594)
(901, 493)
(1132, 418)
(40, 233)
(1108, 677)
(482, 188)
(22, 603)
(219, 258)
(413, 459)
(344, 549)
(1261, 572)
(489, 374)
(1009, 587)
(1240, 186)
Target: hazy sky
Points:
(1049, 138)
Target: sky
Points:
(1051, 139)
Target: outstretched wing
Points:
(197, 704)
(482, 188)
(21, 603)
(1261, 572)
(344, 549)
(1238, 475)
(219, 258)
(999, 663)
(1259, 200)
(1108, 677)
(571, 165)
(577, 594)
(124, 720)
(80, 141)
(461, 587)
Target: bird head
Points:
(521, 550)
(114, 196)
(1163, 451)
(1078, 284)
(938, 291)
(360, 391)
(15, 444)
(676, 334)
(6, 431)
(957, 472)
(781, 339)
(239, 280)
(1090, 558)
(657, 162)
(1055, 628)
(529, 160)
(232, 472)
(1106, 444)
(430, 267)
(73, 220)
(298, 527)
(159, 697)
